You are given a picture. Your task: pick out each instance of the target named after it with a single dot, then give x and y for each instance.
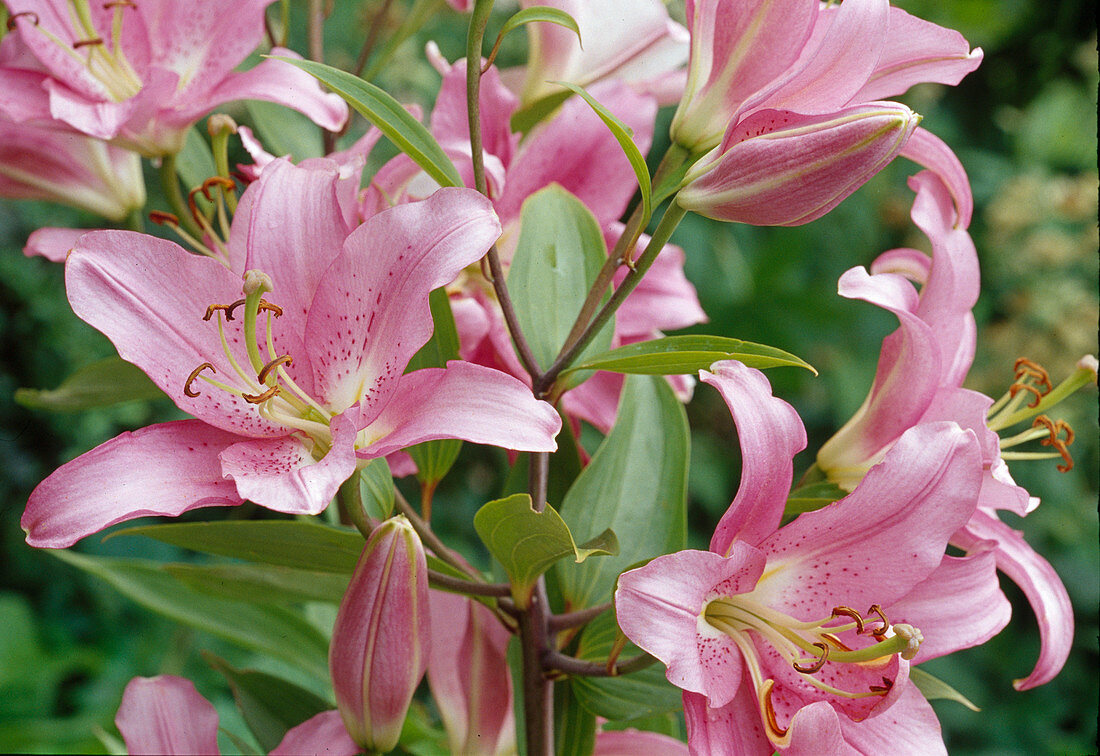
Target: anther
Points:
(87, 42)
(193, 206)
(847, 611)
(119, 4)
(817, 665)
(187, 390)
(261, 398)
(284, 360)
(877, 610)
(21, 14)
(227, 309)
(769, 708)
(213, 181)
(162, 218)
(883, 689)
(1059, 444)
(274, 309)
(1025, 367)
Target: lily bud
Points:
(779, 168)
(469, 677)
(379, 645)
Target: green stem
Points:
(169, 182)
(372, 36)
(431, 540)
(421, 11)
(135, 221)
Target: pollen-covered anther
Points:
(847, 611)
(1030, 377)
(1056, 428)
(187, 390)
(213, 181)
(274, 309)
(87, 42)
(22, 14)
(162, 218)
(261, 398)
(884, 689)
(273, 365)
(119, 4)
(227, 309)
(768, 709)
(878, 633)
(817, 664)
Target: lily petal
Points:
(928, 150)
(731, 730)
(164, 469)
(166, 715)
(323, 734)
(908, 728)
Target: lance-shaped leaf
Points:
(105, 382)
(636, 484)
(269, 629)
(270, 705)
(527, 543)
(538, 13)
(932, 687)
(687, 355)
(261, 584)
(392, 119)
(300, 544)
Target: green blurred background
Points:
(1024, 125)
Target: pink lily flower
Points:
(919, 379)
(630, 742)
(633, 42)
(139, 73)
(791, 88)
(166, 715)
(760, 631)
(380, 642)
(298, 382)
(322, 734)
(58, 166)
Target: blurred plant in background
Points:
(1024, 126)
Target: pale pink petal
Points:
(164, 469)
(149, 296)
(166, 715)
(905, 261)
(52, 243)
(908, 728)
(631, 742)
(1039, 582)
(102, 119)
(323, 734)
(660, 608)
(815, 731)
(735, 729)
(370, 314)
(284, 84)
(464, 401)
(960, 605)
(770, 434)
(23, 95)
(918, 51)
(575, 149)
(281, 473)
(596, 401)
(875, 545)
(928, 150)
(450, 122)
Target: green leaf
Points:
(559, 254)
(636, 484)
(812, 497)
(268, 629)
(625, 137)
(641, 694)
(195, 163)
(376, 489)
(529, 116)
(932, 687)
(261, 584)
(283, 131)
(270, 705)
(527, 543)
(381, 109)
(574, 725)
(289, 543)
(101, 384)
(688, 354)
(540, 13)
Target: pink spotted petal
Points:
(815, 731)
(770, 434)
(165, 469)
(464, 401)
(908, 727)
(735, 729)
(1039, 582)
(660, 608)
(323, 734)
(166, 715)
(878, 543)
(370, 314)
(281, 473)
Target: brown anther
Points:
(1055, 428)
(261, 398)
(193, 206)
(817, 665)
(227, 309)
(884, 689)
(274, 309)
(162, 218)
(221, 181)
(119, 4)
(275, 363)
(769, 709)
(877, 610)
(21, 14)
(1016, 388)
(187, 390)
(87, 42)
(847, 611)
(1026, 369)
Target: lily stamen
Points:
(818, 663)
(1024, 367)
(847, 611)
(187, 390)
(161, 218)
(11, 19)
(768, 709)
(87, 42)
(876, 609)
(227, 309)
(263, 375)
(261, 398)
(1059, 444)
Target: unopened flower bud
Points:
(379, 645)
(779, 168)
